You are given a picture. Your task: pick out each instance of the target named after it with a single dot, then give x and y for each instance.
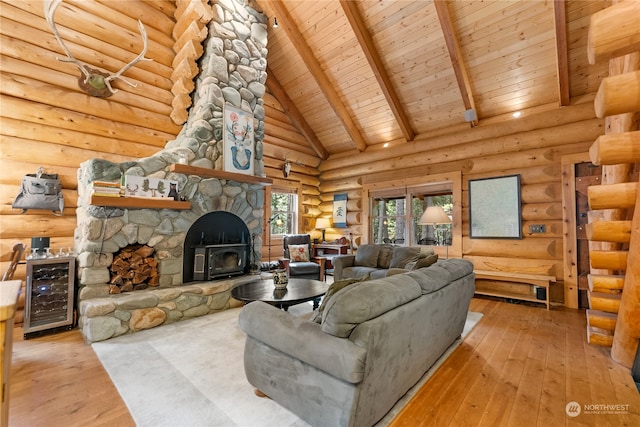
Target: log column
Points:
(615, 32)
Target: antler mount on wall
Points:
(93, 81)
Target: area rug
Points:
(191, 374)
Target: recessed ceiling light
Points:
(517, 114)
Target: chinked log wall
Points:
(531, 146)
(47, 121)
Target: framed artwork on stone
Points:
(238, 134)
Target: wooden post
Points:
(627, 332)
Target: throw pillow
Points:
(425, 262)
(384, 256)
(299, 253)
(367, 256)
(403, 255)
(333, 289)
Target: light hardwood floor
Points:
(520, 366)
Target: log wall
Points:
(531, 146)
(46, 120)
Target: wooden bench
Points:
(524, 279)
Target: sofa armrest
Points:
(340, 262)
(303, 340)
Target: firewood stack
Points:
(134, 268)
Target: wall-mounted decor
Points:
(142, 186)
(238, 140)
(93, 81)
(494, 208)
(340, 210)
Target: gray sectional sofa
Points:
(377, 260)
(349, 365)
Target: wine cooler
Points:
(49, 295)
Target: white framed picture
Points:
(238, 137)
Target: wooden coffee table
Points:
(296, 292)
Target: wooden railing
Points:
(614, 230)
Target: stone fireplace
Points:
(227, 212)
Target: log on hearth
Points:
(133, 268)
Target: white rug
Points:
(191, 374)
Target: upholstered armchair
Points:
(298, 258)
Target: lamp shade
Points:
(322, 223)
(434, 215)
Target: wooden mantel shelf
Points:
(138, 203)
(215, 173)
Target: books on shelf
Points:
(107, 189)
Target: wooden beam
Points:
(609, 231)
(606, 283)
(220, 174)
(614, 31)
(457, 62)
(295, 116)
(615, 148)
(286, 23)
(609, 260)
(618, 94)
(613, 196)
(560, 18)
(375, 62)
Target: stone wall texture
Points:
(233, 72)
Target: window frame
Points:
(413, 185)
(292, 214)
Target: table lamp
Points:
(435, 215)
(322, 224)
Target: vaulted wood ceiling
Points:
(354, 75)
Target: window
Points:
(440, 234)
(388, 220)
(284, 211)
(395, 214)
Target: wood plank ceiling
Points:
(358, 74)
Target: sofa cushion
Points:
(402, 255)
(304, 269)
(423, 262)
(358, 271)
(441, 274)
(367, 256)
(299, 253)
(357, 304)
(384, 256)
(378, 273)
(333, 289)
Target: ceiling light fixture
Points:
(385, 145)
(517, 114)
(275, 22)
